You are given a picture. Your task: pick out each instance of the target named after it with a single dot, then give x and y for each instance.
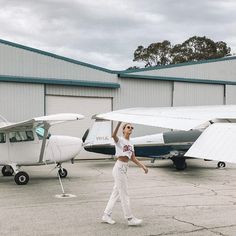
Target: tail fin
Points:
(100, 133)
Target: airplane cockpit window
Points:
(40, 133)
(2, 138)
(30, 135)
(21, 136)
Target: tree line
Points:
(193, 49)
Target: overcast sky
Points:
(107, 32)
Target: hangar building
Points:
(34, 83)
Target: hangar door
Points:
(196, 94)
(87, 106)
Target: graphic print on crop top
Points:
(124, 148)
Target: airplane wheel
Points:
(180, 163)
(21, 178)
(221, 164)
(7, 171)
(181, 166)
(62, 172)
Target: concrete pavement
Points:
(198, 201)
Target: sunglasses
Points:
(129, 127)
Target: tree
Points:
(133, 68)
(198, 48)
(154, 54)
(193, 49)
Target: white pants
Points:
(120, 190)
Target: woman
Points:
(124, 153)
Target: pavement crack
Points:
(187, 222)
(210, 229)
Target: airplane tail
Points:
(100, 133)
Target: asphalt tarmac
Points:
(198, 201)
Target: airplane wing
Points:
(219, 124)
(40, 121)
(217, 142)
(180, 118)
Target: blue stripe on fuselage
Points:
(140, 151)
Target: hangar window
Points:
(21, 136)
(2, 138)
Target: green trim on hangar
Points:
(177, 79)
(52, 81)
(229, 58)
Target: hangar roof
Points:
(228, 58)
(121, 74)
(56, 56)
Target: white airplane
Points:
(216, 123)
(29, 143)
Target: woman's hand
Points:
(138, 163)
(145, 169)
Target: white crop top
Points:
(124, 148)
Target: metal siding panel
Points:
(20, 62)
(143, 93)
(21, 101)
(221, 70)
(138, 93)
(187, 94)
(230, 94)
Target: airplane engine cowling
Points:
(64, 148)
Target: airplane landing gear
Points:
(221, 164)
(153, 160)
(62, 171)
(21, 178)
(7, 171)
(179, 162)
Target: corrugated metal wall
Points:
(21, 101)
(187, 94)
(219, 70)
(132, 93)
(19, 62)
(230, 94)
(143, 93)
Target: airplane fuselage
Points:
(23, 148)
(152, 146)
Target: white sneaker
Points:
(134, 221)
(107, 219)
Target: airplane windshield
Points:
(40, 133)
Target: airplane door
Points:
(3, 149)
(24, 147)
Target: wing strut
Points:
(46, 129)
